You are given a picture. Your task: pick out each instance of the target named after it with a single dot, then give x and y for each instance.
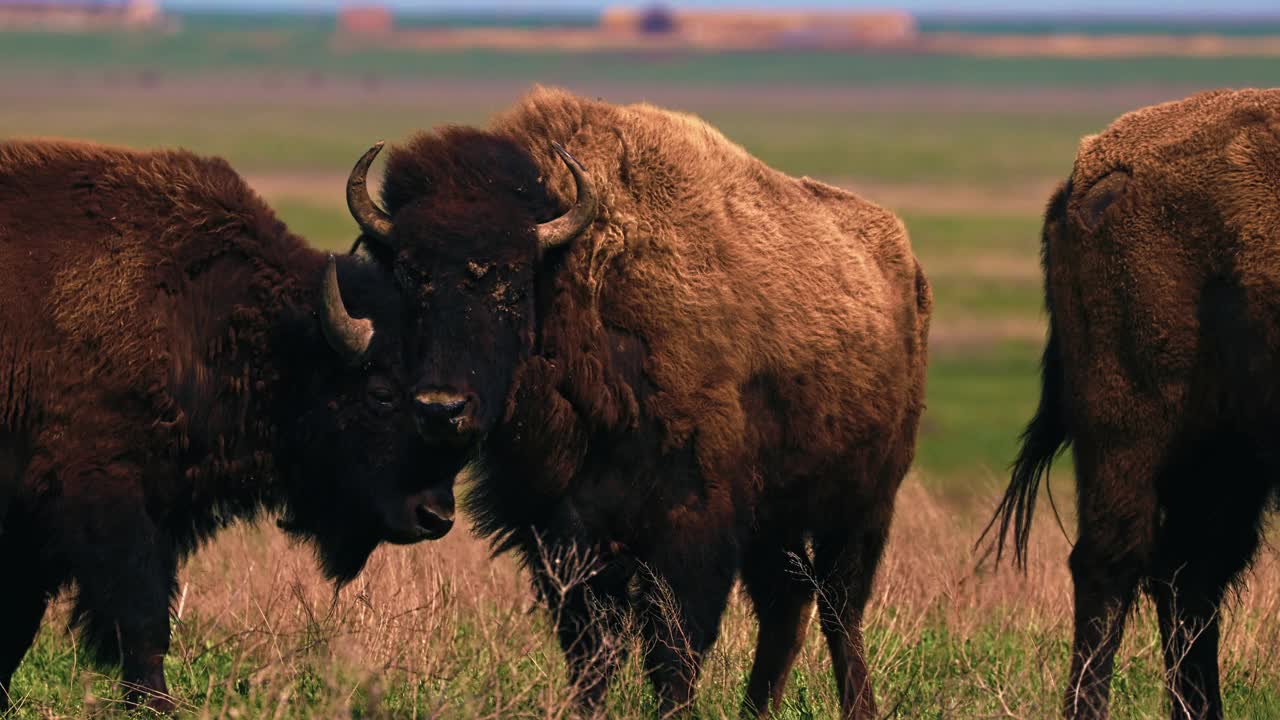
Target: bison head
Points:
(360, 474)
(470, 231)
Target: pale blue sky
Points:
(1091, 7)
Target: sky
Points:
(1070, 7)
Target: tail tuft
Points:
(1045, 437)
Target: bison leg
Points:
(1207, 540)
(24, 606)
(782, 592)
(125, 568)
(1117, 512)
(1189, 634)
(688, 591)
(589, 626)
(845, 566)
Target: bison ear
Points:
(1091, 209)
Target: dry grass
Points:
(440, 630)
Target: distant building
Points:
(80, 15)
(656, 19)
(365, 20)
(762, 28)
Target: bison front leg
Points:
(589, 625)
(23, 604)
(586, 595)
(24, 609)
(686, 590)
(125, 569)
(1117, 501)
(1189, 634)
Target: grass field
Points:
(966, 149)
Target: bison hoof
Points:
(159, 704)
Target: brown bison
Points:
(678, 360)
(1162, 281)
(171, 360)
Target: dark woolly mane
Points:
(465, 164)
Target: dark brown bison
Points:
(171, 360)
(680, 361)
(1163, 288)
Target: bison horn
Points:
(349, 337)
(372, 219)
(565, 228)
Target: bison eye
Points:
(381, 395)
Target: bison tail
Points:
(1045, 437)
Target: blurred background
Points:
(960, 116)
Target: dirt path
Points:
(312, 188)
(953, 334)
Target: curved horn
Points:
(349, 337)
(565, 228)
(372, 219)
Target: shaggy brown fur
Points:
(727, 365)
(1163, 287)
(163, 372)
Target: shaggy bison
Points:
(171, 360)
(1162, 281)
(679, 361)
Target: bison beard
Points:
(1163, 292)
(716, 367)
(173, 360)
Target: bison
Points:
(172, 359)
(1162, 283)
(678, 362)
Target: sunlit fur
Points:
(163, 373)
(727, 365)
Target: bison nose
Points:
(443, 416)
(425, 515)
(434, 516)
(437, 412)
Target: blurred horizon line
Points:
(579, 10)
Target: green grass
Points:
(264, 136)
(978, 404)
(328, 228)
(993, 301)
(939, 239)
(937, 673)
(990, 149)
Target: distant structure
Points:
(762, 29)
(653, 27)
(362, 19)
(656, 19)
(82, 15)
